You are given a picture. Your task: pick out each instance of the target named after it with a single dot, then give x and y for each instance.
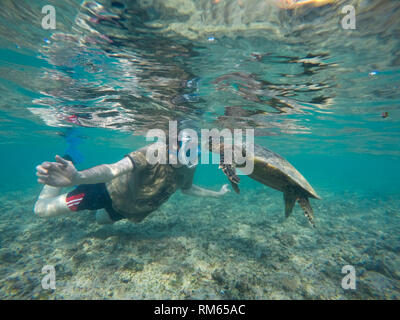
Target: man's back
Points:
(145, 188)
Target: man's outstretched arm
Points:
(64, 174)
(201, 192)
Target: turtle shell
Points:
(276, 172)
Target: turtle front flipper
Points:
(230, 171)
(308, 211)
(235, 186)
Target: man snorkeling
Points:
(131, 188)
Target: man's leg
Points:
(50, 203)
(85, 197)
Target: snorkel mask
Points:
(189, 151)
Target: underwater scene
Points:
(316, 84)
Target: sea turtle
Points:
(274, 171)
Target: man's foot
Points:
(292, 4)
(102, 217)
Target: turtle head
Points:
(218, 145)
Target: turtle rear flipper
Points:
(308, 211)
(289, 200)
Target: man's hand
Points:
(201, 192)
(57, 174)
(224, 189)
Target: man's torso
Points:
(146, 187)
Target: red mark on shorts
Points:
(73, 119)
(74, 201)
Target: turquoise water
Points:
(314, 93)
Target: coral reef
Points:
(238, 247)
